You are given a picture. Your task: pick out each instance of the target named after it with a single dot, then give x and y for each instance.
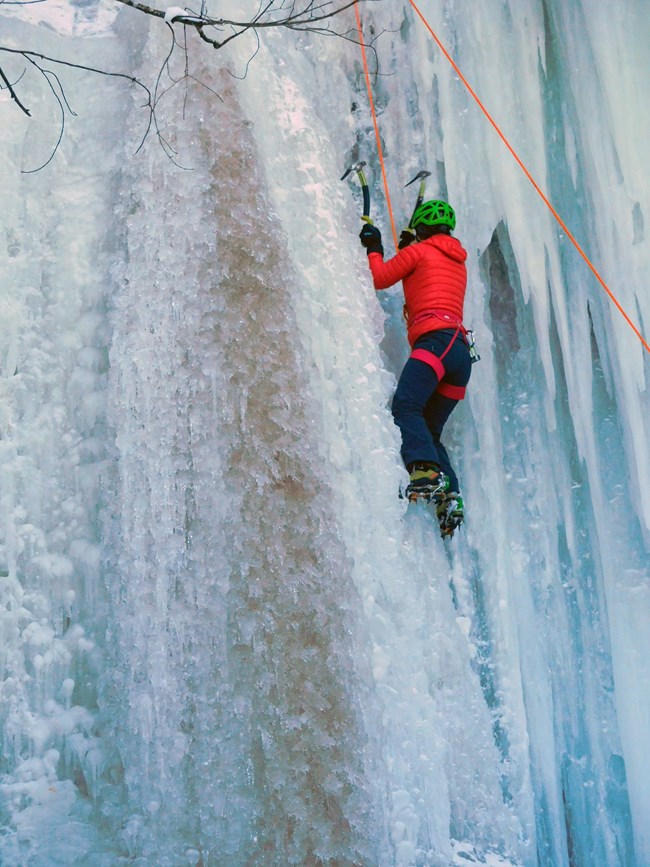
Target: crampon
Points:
(450, 513)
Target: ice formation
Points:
(225, 640)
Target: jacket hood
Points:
(448, 245)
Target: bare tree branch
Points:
(36, 59)
(148, 10)
(313, 16)
(35, 54)
(12, 93)
(308, 18)
(61, 99)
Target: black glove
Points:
(370, 237)
(407, 237)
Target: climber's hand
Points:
(370, 237)
(407, 237)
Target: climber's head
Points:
(433, 217)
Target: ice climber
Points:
(431, 264)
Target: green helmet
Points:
(434, 213)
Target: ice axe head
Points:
(420, 176)
(358, 168)
(355, 168)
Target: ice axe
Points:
(365, 189)
(422, 177)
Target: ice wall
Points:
(226, 641)
(57, 246)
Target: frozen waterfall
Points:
(225, 640)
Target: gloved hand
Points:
(370, 237)
(407, 237)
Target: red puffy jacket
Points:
(435, 279)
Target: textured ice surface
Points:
(224, 640)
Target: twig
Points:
(13, 94)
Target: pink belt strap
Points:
(430, 359)
(437, 314)
(455, 392)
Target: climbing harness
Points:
(454, 321)
(471, 344)
(455, 392)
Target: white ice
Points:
(224, 639)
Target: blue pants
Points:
(419, 410)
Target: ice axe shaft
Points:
(365, 189)
(422, 177)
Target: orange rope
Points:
(374, 119)
(532, 180)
